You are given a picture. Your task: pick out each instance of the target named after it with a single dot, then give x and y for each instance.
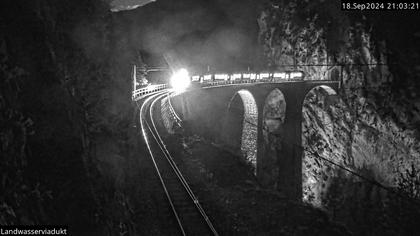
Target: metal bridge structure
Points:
(257, 118)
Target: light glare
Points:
(180, 80)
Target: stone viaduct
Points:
(261, 122)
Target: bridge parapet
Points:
(140, 93)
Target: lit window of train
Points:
(236, 77)
(246, 76)
(207, 77)
(294, 75)
(221, 77)
(264, 75)
(253, 76)
(279, 75)
(195, 78)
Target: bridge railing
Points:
(139, 93)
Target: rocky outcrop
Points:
(372, 129)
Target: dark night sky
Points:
(219, 33)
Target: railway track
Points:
(186, 209)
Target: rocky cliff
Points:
(67, 141)
(366, 141)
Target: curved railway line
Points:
(190, 216)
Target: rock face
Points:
(372, 128)
(67, 141)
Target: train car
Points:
(296, 75)
(250, 76)
(221, 77)
(236, 77)
(207, 78)
(254, 76)
(264, 76)
(246, 76)
(195, 78)
(280, 76)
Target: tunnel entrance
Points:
(240, 127)
(317, 133)
(274, 114)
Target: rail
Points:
(155, 134)
(177, 171)
(155, 164)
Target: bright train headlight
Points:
(180, 80)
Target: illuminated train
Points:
(249, 76)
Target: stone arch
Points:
(323, 89)
(317, 126)
(273, 117)
(240, 126)
(334, 74)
